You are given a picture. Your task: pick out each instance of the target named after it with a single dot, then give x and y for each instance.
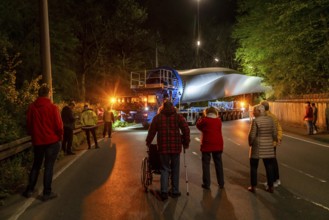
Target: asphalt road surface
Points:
(105, 183)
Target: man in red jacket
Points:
(45, 126)
(167, 125)
(211, 145)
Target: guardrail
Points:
(10, 149)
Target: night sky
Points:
(179, 16)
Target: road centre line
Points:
(311, 142)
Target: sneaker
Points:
(50, 196)
(70, 153)
(277, 183)
(175, 195)
(314, 132)
(164, 196)
(205, 187)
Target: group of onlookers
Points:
(47, 126)
(311, 117)
(172, 132)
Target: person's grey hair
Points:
(260, 108)
(210, 110)
(266, 105)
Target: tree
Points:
(286, 43)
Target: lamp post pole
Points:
(45, 45)
(198, 34)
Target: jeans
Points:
(170, 163)
(67, 140)
(217, 157)
(49, 154)
(268, 163)
(314, 125)
(275, 168)
(309, 125)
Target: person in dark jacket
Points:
(211, 145)
(45, 126)
(69, 123)
(108, 118)
(315, 118)
(168, 126)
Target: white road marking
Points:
(311, 142)
(197, 139)
(31, 200)
(302, 172)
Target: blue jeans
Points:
(309, 124)
(49, 154)
(170, 163)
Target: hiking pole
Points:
(186, 177)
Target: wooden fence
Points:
(293, 111)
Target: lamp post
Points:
(198, 34)
(45, 45)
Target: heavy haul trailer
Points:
(165, 82)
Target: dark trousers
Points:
(217, 157)
(67, 140)
(275, 167)
(48, 153)
(107, 129)
(91, 130)
(314, 125)
(170, 164)
(268, 163)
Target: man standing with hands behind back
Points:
(45, 126)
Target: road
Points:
(105, 183)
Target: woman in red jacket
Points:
(211, 144)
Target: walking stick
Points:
(186, 177)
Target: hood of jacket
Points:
(168, 111)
